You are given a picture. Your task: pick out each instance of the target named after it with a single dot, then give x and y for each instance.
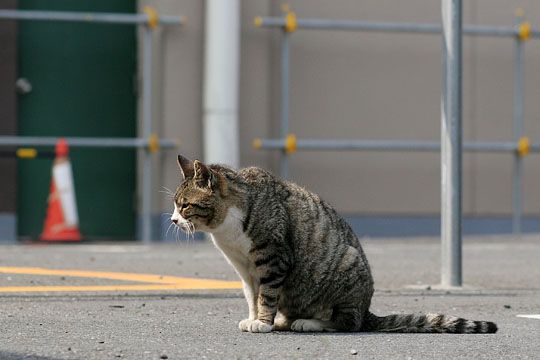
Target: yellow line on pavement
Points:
(147, 278)
(98, 288)
(154, 282)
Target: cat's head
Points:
(199, 201)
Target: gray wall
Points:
(360, 85)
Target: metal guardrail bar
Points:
(427, 28)
(388, 145)
(84, 142)
(108, 18)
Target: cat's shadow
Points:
(326, 333)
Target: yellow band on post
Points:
(184, 20)
(290, 22)
(524, 31)
(523, 146)
(258, 21)
(153, 143)
(257, 143)
(290, 144)
(153, 17)
(26, 153)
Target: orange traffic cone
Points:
(62, 221)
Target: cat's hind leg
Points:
(282, 323)
(312, 325)
(347, 318)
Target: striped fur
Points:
(429, 323)
(301, 265)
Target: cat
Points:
(301, 265)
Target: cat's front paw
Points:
(254, 326)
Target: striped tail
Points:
(428, 323)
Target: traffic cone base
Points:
(62, 235)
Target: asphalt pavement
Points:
(182, 301)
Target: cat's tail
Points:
(428, 323)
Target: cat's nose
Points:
(175, 221)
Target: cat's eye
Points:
(184, 205)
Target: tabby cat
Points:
(301, 265)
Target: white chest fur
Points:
(235, 245)
(233, 242)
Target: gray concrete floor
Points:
(502, 280)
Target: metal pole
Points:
(221, 82)
(110, 18)
(11, 141)
(146, 230)
(517, 178)
(284, 124)
(451, 267)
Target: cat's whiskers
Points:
(178, 234)
(190, 231)
(168, 228)
(167, 218)
(167, 192)
(163, 220)
(167, 189)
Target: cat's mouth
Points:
(187, 227)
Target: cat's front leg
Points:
(266, 310)
(251, 292)
(253, 324)
(270, 283)
(271, 269)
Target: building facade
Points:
(343, 85)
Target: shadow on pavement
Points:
(14, 356)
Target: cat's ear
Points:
(186, 167)
(203, 174)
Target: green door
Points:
(83, 84)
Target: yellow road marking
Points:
(156, 279)
(96, 288)
(154, 282)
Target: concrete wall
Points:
(360, 85)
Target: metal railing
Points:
(288, 144)
(451, 122)
(150, 143)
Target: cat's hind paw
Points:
(311, 325)
(254, 326)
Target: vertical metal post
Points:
(221, 82)
(451, 145)
(146, 230)
(517, 176)
(284, 123)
